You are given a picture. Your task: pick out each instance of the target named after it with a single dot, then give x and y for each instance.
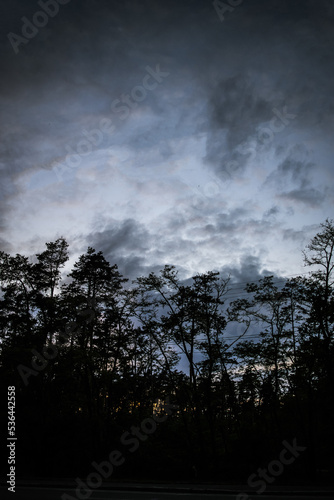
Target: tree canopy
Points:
(90, 353)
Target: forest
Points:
(93, 356)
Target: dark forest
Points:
(182, 380)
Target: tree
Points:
(190, 319)
(320, 253)
(95, 303)
(47, 275)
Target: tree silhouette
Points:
(90, 354)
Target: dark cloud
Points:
(272, 212)
(226, 78)
(311, 197)
(299, 236)
(250, 268)
(121, 237)
(135, 250)
(291, 172)
(294, 179)
(236, 111)
(281, 60)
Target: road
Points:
(25, 493)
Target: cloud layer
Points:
(223, 162)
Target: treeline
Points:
(89, 356)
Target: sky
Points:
(191, 133)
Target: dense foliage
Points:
(90, 354)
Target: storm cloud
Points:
(158, 133)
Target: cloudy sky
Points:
(187, 132)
